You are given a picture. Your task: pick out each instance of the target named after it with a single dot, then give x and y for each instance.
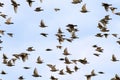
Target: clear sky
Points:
(26, 33)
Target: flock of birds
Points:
(72, 29)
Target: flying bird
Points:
(8, 21)
(114, 59)
(10, 34)
(76, 1)
(35, 73)
(84, 9)
(61, 72)
(30, 2)
(44, 34)
(42, 24)
(66, 52)
(15, 5)
(56, 9)
(30, 49)
(52, 67)
(106, 6)
(39, 60)
(68, 70)
(38, 9)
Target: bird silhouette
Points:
(8, 21)
(44, 34)
(15, 5)
(30, 49)
(10, 34)
(68, 70)
(53, 78)
(84, 9)
(56, 9)
(20, 77)
(61, 72)
(3, 72)
(114, 59)
(76, 1)
(106, 6)
(39, 61)
(42, 24)
(66, 52)
(30, 2)
(52, 67)
(67, 61)
(35, 73)
(38, 9)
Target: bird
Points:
(26, 67)
(94, 46)
(15, 5)
(84, 9)
(39, 61)
(30, 2)
(61, 72)
(48, 49)
(83, 61)
(35, 73)
(65, 52)
(8, 21)
(42, 24)
(113, 9)
(67, 61)
(117, 13)
(100, 72)
(20, 77)
(116, 77)
(99, 35)
(3, 72)
(76, 1)
(115, 35)
(4, 56)
(38, 9)
(76, 68)
(88, 77)
(106, 6)
(62, 59)
(106, 35)
(114, 59)
(1, 4)
(52, 67)
(59, 46)
(10, 34)
(68, 70)
(44, 34)
(118, 42)
(56, 9)
(2, 32)
(24, 56)
(3, 15)
(60, 31)
(53, 78)
(96, 54)
(30, 49)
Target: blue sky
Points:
(26, 32)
